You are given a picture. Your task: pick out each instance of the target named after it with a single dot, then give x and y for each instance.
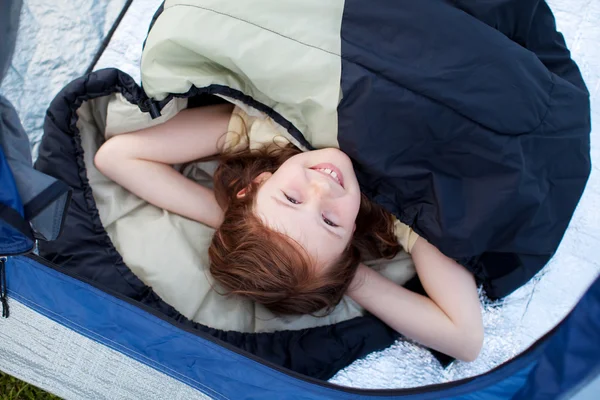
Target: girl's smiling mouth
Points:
(331, 171)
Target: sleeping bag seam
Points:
(256, 25)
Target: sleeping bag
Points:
(467, 121)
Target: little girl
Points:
(292, 226)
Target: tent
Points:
(98, 334)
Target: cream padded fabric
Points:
(169, 252)
(283, 54)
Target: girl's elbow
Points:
(472, 353)
(109, 155)
(472, 346)
(102, 159)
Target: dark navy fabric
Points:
(563, 359)
(85, 249)
(470, 122)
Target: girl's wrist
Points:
(358, 281)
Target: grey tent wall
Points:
(55, 43)
(9, 24)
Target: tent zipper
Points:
(3, 289)
(3, 285)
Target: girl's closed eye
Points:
(291, 199)
(329, 222)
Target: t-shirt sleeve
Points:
(406, 236)
(246, 131)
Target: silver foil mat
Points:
(511, 325)
(125, 49)
(57, 40)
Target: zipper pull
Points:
(150, 106)
(3, 288)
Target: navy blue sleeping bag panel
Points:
(470, 122)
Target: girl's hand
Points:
(448, 321)
(142, 161)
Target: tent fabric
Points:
(572, 357)
(507, 103)
(45, 199)
(41, 200)
(56, 43)
(545, 370)
(9, 21)
(14, 230)
(73, 366)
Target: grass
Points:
(14, 389)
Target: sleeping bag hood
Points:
(468, 121)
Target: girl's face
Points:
(314, 199)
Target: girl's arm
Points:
(448, 321)
(142, 161)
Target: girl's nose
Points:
(320, 187)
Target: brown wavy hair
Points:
(249, 259)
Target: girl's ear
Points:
(241, 193)
(259, 180)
